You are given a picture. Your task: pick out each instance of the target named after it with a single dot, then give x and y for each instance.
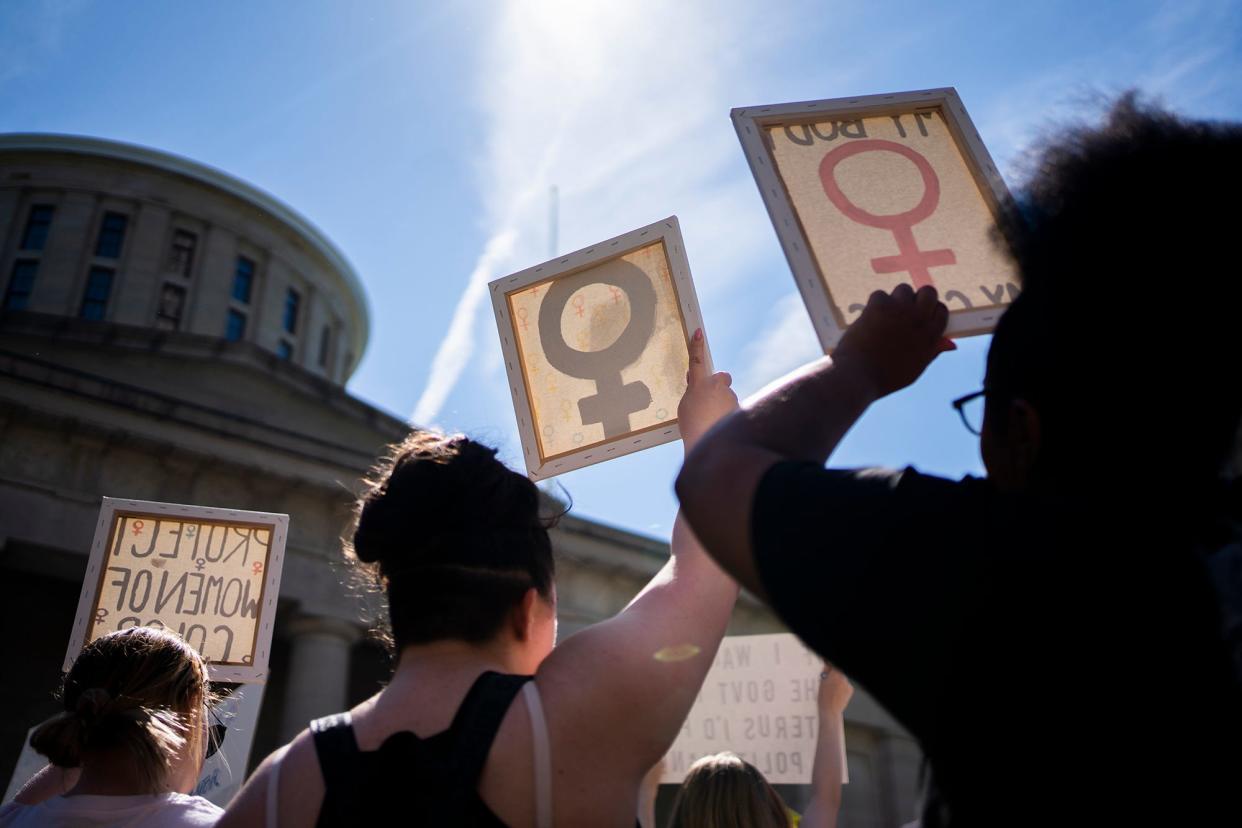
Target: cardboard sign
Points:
(760, 701)
(224, 771)
(210, 575)
(596, 348)
(866, 193)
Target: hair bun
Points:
(93, 704)
(435, 492)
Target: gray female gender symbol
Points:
(614, 400)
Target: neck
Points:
(456, 657)
(112, 774)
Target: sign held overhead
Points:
(596, 348)
(869, 192)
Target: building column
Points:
(318, 673)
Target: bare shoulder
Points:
(300, 794)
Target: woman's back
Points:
(435, 776)
(466, 563)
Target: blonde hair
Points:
(140, 690)
(725, 791)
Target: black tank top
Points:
(415, 781)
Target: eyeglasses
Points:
(215, 736)
(970, 409)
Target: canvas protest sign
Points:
(596, 348)
(211, 575)
(760, 701)
(866, 193)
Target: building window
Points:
(98, 287)
(172, 302)
(21, 283)
(285, 349)
(181, 256)
(243, 280)
(235, 326)
(37, 226)
(292, 301)
(325, 340)
(111, 236)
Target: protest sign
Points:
(867, 193)
(210, 575)
(225, 770)
(596, 348)
(760, 701)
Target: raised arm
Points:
(803, 417)
(618, 691)
(828, 769)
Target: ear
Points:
(522, 619)
(1024, 440)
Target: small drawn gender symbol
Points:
(522, 313)
(548, 431)
(200, 563)
(191, 531)
(101, 614)
(256, 567)
(910, 259)
(614, 399)
(138, 527)
(661, 413)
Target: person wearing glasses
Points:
(130, 744)
(1064, 637)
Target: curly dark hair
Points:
(1126, 336)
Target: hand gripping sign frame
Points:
(116, 515)
(565, 275)
(752, 125)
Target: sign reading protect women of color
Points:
(760, 701)
(210, 575)
(596, 348)
(869, 192)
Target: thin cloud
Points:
(625, 108)
(458, 344)
(786, 342)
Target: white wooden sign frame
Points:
(752, 123)
(112, 509)
(666, 230)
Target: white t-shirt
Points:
(171, 810)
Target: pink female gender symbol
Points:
(910, 259)
(137, 527)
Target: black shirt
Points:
(413, 781)
(1059, 662)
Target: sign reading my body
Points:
(203, 580)
(847, 139)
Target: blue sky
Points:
(423, 138)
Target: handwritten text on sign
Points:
(202, 579)
(759, 701)
(891, 199)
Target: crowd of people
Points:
(1062, 637)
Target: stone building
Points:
(169, 332)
